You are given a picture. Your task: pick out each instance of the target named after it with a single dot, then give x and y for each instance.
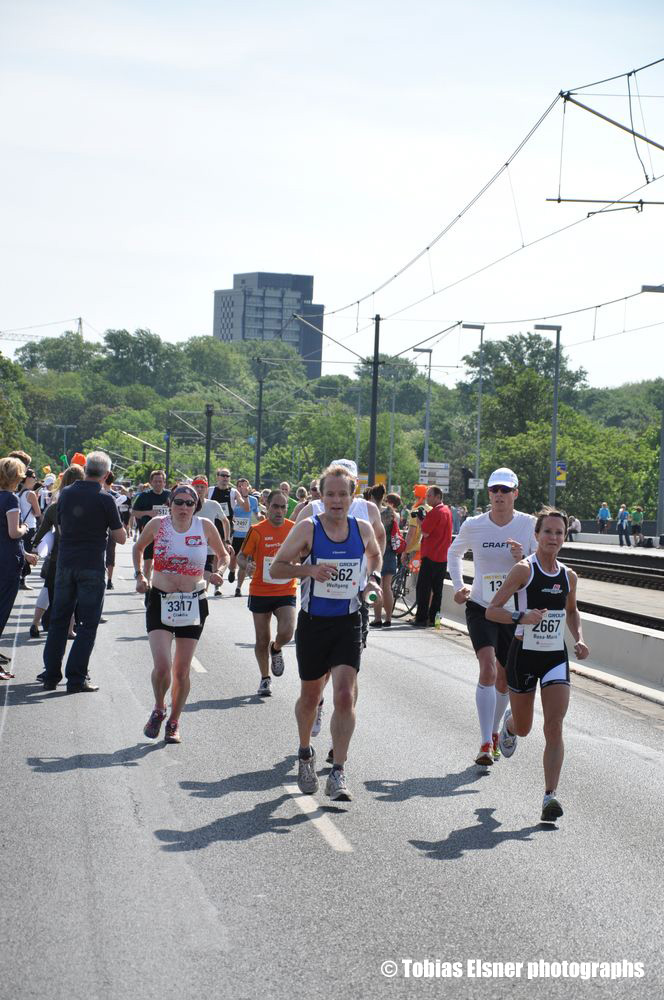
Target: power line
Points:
(619, 76)
(456, 219)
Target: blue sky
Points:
(150, 150)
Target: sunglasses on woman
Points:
(184, 503)
(500, 489)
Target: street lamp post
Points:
(659, 529)
(429, 351)
(554, 423)
(480, 327)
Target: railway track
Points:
(651, 578)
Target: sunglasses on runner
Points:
(500, 489)
(184, 503)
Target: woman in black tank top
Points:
(545, 592)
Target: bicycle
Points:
(404, 583)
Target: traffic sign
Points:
(561, 473)
(436, 474)
(475, 484)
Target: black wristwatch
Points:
(517, 616)
(375, 577)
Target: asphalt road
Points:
(136, 869)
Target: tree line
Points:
(138, 383)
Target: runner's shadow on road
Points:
(131, 638)
(125, 757)
(242, 701)
(249, 781)
(27, 694)
(239, 826)
(483, 836)
(427, 788)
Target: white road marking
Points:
(328, 831)
(198, 666)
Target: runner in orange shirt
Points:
(269, 597)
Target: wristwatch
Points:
(517, 616)
(137, 573)
(375, 577)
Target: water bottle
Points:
(436, 623)
(373, 597)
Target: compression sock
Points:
(305, 753)
(485, 699)
(502, 701)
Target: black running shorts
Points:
(266, 605)
(322, 643)
(237, 543)
(485, 633)
(525, 667)
(154, 623)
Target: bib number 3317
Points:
(180, 609)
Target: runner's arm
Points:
(140, 545)
(377, 525)
(455, 553)
(238, 501)
(287, 562)
(581, 650)
(516, 579)
(303, 513)
(216, 544)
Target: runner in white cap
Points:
(497, 540)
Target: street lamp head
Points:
(652, 288)
(422, 350)
(472, 326)
(544, 326)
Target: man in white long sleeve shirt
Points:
(497, 540)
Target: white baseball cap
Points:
(503, 477)
(49, 479)
(348, 464)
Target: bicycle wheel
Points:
(403, 591)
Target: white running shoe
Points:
(307, 779)
(276, 661)
(336, 787)
(508, 740)
(551, 809)
(265, 687)
(485, 756)
(318, 721)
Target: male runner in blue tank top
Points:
(338, 559)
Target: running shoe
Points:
(265, 687)
(318, 721)
(336, 787)
(109, 585)
(34, 631)
(375, 624)
(217, 591)
(238, 592)
(485, 756)
(307, 779)
(172, 732)
(330, 757)
(231, 576)
(551, 809)
(507, 740)
(153, 725)
(276, 661)
(495, 739)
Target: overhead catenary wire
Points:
(473, 201)
(618, 76)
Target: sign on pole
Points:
(475, 484)
(561, 473)
(436, 474)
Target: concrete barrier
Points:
(625, 652)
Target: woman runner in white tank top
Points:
(176, 606)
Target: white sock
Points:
(485, 699)
(502, 701)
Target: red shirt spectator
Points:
(436, 531)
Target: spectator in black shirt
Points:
(85, 514)
(152, 503)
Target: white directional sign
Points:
(436, 474)
(475, 484)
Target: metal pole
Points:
(374, 404)
(554, 423)
(660, 496)
(209, 410)
(357, 430)
(427, 418)
(479, 418)
(168, 453)
(389, 473)
(259, 429)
